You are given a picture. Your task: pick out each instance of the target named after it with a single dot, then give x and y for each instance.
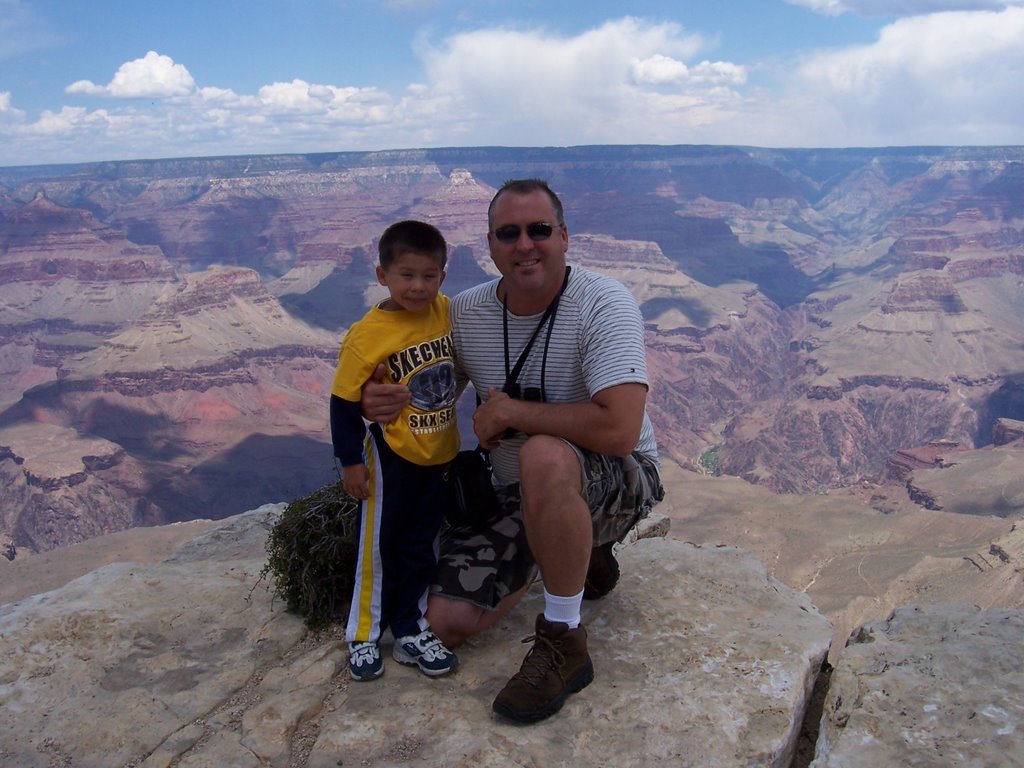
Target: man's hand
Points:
(609, 422)
(490, 419)
(382, 402)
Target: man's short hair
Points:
(525, 187)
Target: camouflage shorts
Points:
(485, 566)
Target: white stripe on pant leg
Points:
(365, 612)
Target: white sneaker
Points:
(364, 661)
(427, 652)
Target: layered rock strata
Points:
(212, 401)
(809, 313)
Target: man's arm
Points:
(383, 402)
(610, 423)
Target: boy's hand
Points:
(383, 402)
(355, 480)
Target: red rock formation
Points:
(903, 462)
(1007, 431)
(44, 243)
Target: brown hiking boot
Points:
(603, 572)
(557, 665)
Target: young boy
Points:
(396, 471)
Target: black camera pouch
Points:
(474, 501)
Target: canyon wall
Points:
(168, 328)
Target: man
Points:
(556, 354)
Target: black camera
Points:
(530, 394)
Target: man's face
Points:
(533, 265)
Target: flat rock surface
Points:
(702, 659)
(933, 685)
(988, 481)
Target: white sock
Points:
(563, 609)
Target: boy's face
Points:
(413, 279)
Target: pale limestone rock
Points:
(110, 667)
(932, 685)
(702, 659)
(177, 744)
(289, 696)
(220, 751)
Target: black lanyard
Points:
(549, 314)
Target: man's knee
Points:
(546, 458)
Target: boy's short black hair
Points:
(411, 236)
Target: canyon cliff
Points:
(168, 328)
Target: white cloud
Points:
(900, 7)
(7, 110)
(530, 87)
(224, 95)
(928, 79)
(152, 76)
(824, 7)
(516, 61)
(659, 69)
(67, 120)
(664, 70)
(298, 96)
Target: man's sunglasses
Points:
(537, 231)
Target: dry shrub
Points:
(312, 551)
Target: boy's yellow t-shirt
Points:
(416, 350)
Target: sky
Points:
(93, 80)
